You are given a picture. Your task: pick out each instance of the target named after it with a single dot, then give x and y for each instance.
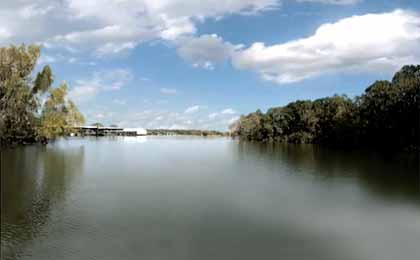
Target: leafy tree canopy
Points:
(20, 95)
(386, 114)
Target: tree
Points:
(334, 120)
(407, 81)
(387, 114)
(74, 117)
(17, 100)
(43, 81)
(20, 95)
(59, 114)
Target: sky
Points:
(188, 64)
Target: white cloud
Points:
(111, 48)
(228, 111)
(112, 26)
(157, 118)
(168, 91)
(192, 109)
(161, 118)
(49, 58)
(378, 42)
(4, 34)
(177, 27)
(209, 8)
(82, 92)
(205, 51)
(33, 10)
(232, 120)
(110, 80)
(213, 115)
(222, 114)
(46, 59)
(218, 120)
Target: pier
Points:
(108, 131)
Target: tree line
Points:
(31, 109)
(385, 115)
(185, 132)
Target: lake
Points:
(206, 198)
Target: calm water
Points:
(194, 198)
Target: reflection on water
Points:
(198, 198)
(33, 181)
(394, 175)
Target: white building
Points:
(135, 131)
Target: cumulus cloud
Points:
(371, 42)
(228, 111)
(222, 122)
(159, 118)
(163, 119)
(379, 42)
(192, 109)
(46, 59)
(112, 26)
(222, 114)
(33, 10)
(209, 8)
(177, 27)
(213, 115)
(110, 80)
(232, 120)
(60, 58)
(205, 51)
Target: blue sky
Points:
(201, 64)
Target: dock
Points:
(108, 131)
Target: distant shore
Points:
(186, 132)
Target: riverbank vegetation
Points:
(385, 115)
(32, 110)
(185, 132)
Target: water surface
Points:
(215, 198)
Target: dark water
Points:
(192, 198)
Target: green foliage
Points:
(59, 115)
(184, 132)
(17, 103)
(43, 80)
(334, 120)
(255, 126)
(20, 95)
(74, 116)
(387, 114)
